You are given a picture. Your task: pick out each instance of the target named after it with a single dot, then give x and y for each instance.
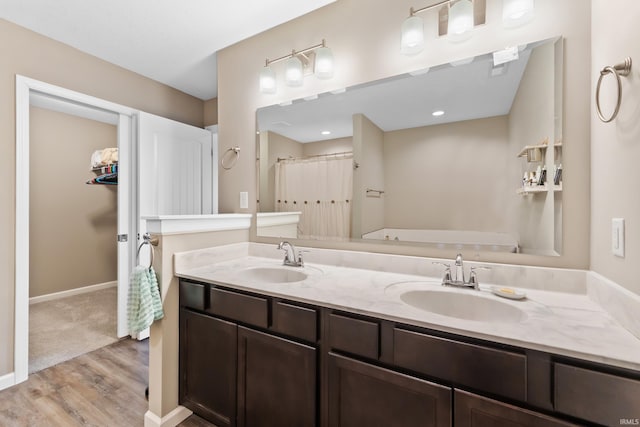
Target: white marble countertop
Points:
(568, 324)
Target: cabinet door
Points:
(276, 381)
(365, 395)
(476, 411)
(208, 356)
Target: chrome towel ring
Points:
(622, 69)
(147, 240)
(231, 156)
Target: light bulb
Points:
(267, 80)
(293, 72)
(460, 21)
(412, 40)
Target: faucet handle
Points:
(446, 277)
(473, 275)
(300, 260)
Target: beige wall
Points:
(27, 53)
(531, 121)
(448, 177)
(615, 146)
(330, 146)
(211, 112)
(72, 225)
(364, 37)
(367, 213)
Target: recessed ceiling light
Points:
(437, 113)
(326, 132)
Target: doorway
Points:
(32, 92)
(73, 261)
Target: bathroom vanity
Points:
(263, 344)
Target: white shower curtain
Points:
(320, 188)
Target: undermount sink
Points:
(463, 305)
(274, 274)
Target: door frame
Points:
(25, 87)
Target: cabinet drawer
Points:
(192, 295)
(299, 322)
(240, 307)
(595, 396)
(354, 336)
(493, 371)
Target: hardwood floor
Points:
(101, 388)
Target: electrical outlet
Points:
(617, 236)
(244, 200)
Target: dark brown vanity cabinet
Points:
(233, 372)
(361, 394)
(208, 355)
(476, 411)
(258, 361)
(276, 381)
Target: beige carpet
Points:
(62, 329)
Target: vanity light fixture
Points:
(460, 20)
(516, 12)
(317, 59)
(267, 80)
(293, 73)
(456, 18)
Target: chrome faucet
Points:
(290, 255)
(458, 279)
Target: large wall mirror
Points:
(464, 155)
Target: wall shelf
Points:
(107, 175)
(538, 189)
(534, 189)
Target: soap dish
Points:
(508, 292)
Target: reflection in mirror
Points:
(460, 156)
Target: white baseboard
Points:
(172, 419)
(7, 381)
(71, 292)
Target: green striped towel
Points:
(144, 305)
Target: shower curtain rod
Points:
(343, 153)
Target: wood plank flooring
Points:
(102, 388)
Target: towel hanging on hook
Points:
(144, 303)
(622, 69)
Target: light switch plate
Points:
(244, 200)
(617, 236)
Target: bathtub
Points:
(449, 239)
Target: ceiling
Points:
(464, 92)
(173, 42)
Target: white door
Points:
(126, 219)
(175, 165)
